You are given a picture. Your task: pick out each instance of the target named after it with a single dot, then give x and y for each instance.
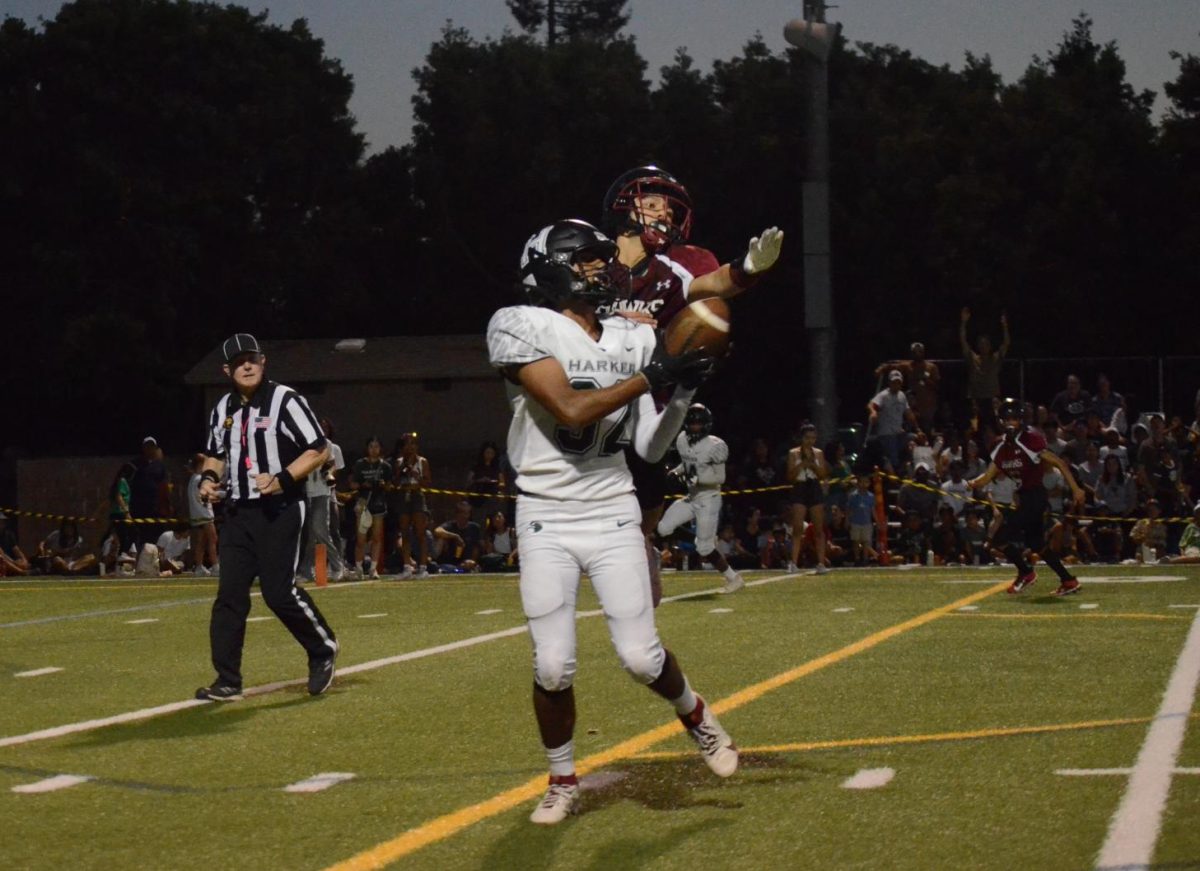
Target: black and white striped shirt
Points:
(262, 434)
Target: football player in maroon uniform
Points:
(1022, 454)
(657, 273)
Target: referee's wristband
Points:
(210, 475)
(289, 485)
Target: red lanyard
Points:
(245, 447)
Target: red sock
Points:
(696, 717)
(568, 779)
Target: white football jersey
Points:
(704, 461)
(557, 461)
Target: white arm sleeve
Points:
(653, 431)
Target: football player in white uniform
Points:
(702, 469)
(579, 388)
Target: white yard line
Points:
(1134, 828)
(372, 616)
(159, 710)
(142, 620)
(50, 784)
(1104, 772)
(484, 613)
(720, 611)
(38, 672)
(842, 610)
(319, 782)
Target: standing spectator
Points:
(12, 560)
(486, 478)
(149, 494)
(919, 496)
(118, 507)
(923, 379)
(1110, 405)
(888, 412)
(983, 368)
(369, 477)
(1071, 404)
(861, 510)
(411, 476)
(320, 523)
(459, 540)
(759, 471)
(841, 476)
(1116, 497)
(806, 472)
(202, 528)
(65, 552)
(335, 505)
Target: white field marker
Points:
(1134, 828)
(256, 619)
(490, 611)
(38, 672)
(721, 611)
(143, 620)
(1089, 606)
(1103, 772)
(870, 778)
(842, 610)
(318, 782)
(969, 608)
(372, 616)
(50, 784)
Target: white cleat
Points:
(821, 569)
(732, 585)
(717, 748)
(560, 801)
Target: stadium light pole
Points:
(814, 37)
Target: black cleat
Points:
(220, 692)
(320, 674)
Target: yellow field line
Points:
(1128, 616)
(449, 824)
(887, 740)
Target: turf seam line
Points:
(442, 827)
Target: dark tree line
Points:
(178, 170)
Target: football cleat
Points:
(716, 747)
(1067, 587)
(732, 585)
(320, 674)
(220, 692)
(560, 801)
(1022, 582)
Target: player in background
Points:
(1022, 455)
(579, 390)
(702, 469)
(657, 273)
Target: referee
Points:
(267, 437)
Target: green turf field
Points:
(817, 679)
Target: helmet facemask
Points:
(657, 231)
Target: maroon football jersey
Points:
(660, 283)
(1021, 460)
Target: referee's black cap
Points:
(240, 343)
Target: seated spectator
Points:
(912, 541)
(64, 553)
(175, 550)
(1071, 542)
(734, 551)
(1116, 497)
(1109, 405)
(860, 507)
(1158, 476)
(1150, 534)
(776, 547)
(1001, 492)
(752, 537)
(1055, 440)
(952, 451)
(1112, 445)
(499, 545)
(458, 541)
(923, 453)
(1070, 404)
(955, 490)
(975, 536)
(113, 558)
(1077, 443)
(918, 496)
(947, 543)
(839, 535)
(974, 465)
(1088, 472)
(1189, 542)
(1056, 489)
(758, 470)
(12, 560)
(809, 558)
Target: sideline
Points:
(1133, 831)
(172, 707)
(443, 827)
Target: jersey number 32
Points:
(608, 432)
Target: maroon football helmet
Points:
(621, 214)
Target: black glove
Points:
(689, 370)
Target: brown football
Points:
(703, 324)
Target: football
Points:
(703, 324)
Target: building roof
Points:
(392, 358)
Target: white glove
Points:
(763, 251)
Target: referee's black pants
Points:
(261, 539)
